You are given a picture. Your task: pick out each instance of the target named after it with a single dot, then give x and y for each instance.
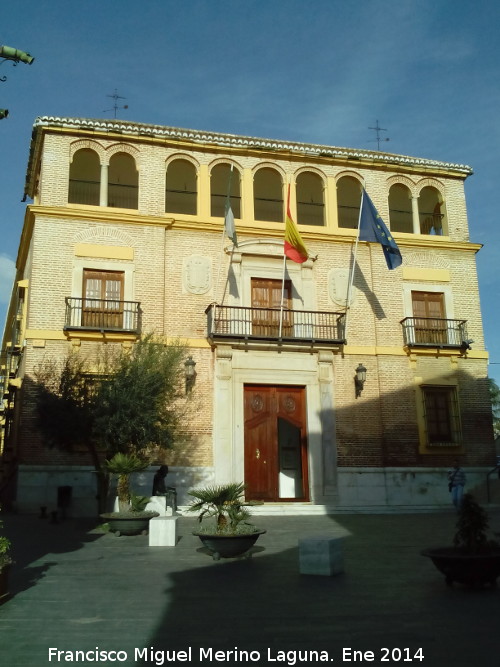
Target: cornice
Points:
(144, 131)
(271, 230)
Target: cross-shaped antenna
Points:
(115, 107)
(378, 130)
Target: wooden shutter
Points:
(102, 299)
(430, 322)
(266, 304)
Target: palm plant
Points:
(472, 526)
(124, 465)
(225, 503)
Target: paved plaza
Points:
(75, 588)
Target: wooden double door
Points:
(275, 443)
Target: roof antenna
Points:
(378, 130)
(115, 107)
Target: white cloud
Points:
(7, 273)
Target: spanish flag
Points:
(294, 245)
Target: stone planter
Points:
(132, 523)
(471, 569)
(229, 546)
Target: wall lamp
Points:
(4, 113)
(189, 373)
(359, 379)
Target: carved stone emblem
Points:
(338, 284)
(196, 276)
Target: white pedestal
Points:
(163, 531)
(321, 554)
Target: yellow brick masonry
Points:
(161, 245)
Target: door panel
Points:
(430, 307)
(266, 305)
(275, 443)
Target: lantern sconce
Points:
(359, 379)
(189, 373)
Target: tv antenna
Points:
(378, 130)
(115, 107)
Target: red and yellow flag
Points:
(294, 245)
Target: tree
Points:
(132, 405)
(495, 405)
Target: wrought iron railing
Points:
(238, 322)
(102, 315)
(435, 332)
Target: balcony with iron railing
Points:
(102, 315)
(233, 323)
(435, 333)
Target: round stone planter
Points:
(134, 523)
(471, 569)
(229, 546)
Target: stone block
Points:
(321, 554)
(163, 531)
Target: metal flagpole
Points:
(353, 269)
(228, 199)
(282, 294)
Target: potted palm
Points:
(229, 534)
(132, 517)
(473, 559)
(5, 563)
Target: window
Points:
(400, 210)
(181, 188)
(441, 415)
(102, 306)
(268, 195)
(310, 202)
(430, 323)
(84, 178)
(431, 211)
(220, 178)
(123, 183)
(348, 202)
(266, 307)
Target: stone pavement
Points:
(75, 588)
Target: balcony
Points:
(263, 324)
(436, 333)
(102, 315)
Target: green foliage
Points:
(138, 503)
(5, 545)
(472, 526)
(224, 502)
(495, 405)
(124, 465)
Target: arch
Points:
(402, 180)
(310, 195)
(400, 208)
(268, 194)
(220, 177)
(348, 200)
(84, 177)
(75, 146)
(123, 181)
(432, 210)
(181, 187)
(123, 148)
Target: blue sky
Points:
(321, 71)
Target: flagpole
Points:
(353, 269)
(282, 295)
(221, 256)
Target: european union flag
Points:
(373, 230)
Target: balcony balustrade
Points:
(102, 315)
(435, 332)
(272, 324)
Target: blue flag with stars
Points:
(373, 230)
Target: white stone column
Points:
(223, 416)
(327, 418)
(415, 215)
(103, 193)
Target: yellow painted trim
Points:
(430, 275)
(103, 251)
(215, 225)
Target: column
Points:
(103, 193)
(415, 215)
